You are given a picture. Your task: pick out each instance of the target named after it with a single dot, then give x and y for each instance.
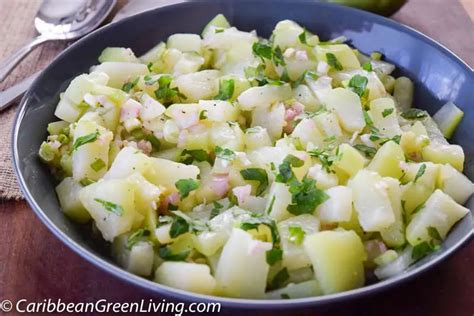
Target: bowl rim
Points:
(187, 296)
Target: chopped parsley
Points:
(274, 255)
(97, 165)
(224, 153)
(302, 38)
(280, 279)
(226, 90)
(262, 50)
(358, 84)
(367, 66)
(305, 196)
(265, 51)
(185, 186)
(414, 114)
(270, 206)
(256, 220)
(278, 57)
(216, 209)
(426, 247)
(167, 254)
(256, 174)
(333, 61)
(368, 119)
(111, 207)
(164, 92)
(326, 157)
(130, 85)
(180, 226)
(89, 138)
(136, 237)
(203, 115)
(368, 151)
(420, 172)
(296, 234)
(190, 155)
(154, 141)
(387, 112)
(285, 169)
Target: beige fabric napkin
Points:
(449, 22)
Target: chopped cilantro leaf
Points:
(296, 234)
(256, 220)
(262, 50)
(387, 112)
(216, 209)
(136, 236)
(278, 57)
(413, 114)
(305, 196)
(285, 169)
(180, 226)
(422, 250)
(185, 186)
(226, 90)
(111, 207)
(130, 85)
(367, 66)
(358, 84)
(97, 165)
(420, 172)
(190, 155)
(434, 233)
(154, 141)
(368, 151)
(89, 138)
(166, 253)
(203, 115)
(224, 153)
(280, 279)
(274, 255)
(164, 92)
(256, 174)
(333, 61)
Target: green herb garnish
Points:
(274, 255)
(224, 153)
(333, 61)
(256, 174)
(420, 172)
(413, 114)
(185, 186)
(358, 84)
(89, 138)
(305, 196)
(130, 85)
(165, 253)
(136, 237)
(280, 279)
(97, 165)
(387, 112)
(226, 90)
(296, 234)
(368, 151)
(111, 207)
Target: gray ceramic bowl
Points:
(438, 74)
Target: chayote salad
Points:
(232, 165)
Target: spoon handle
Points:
(7, 65)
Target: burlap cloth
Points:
(448, 21)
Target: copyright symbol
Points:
(6, 306)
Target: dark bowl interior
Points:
(439, 77)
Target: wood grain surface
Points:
(36, 266)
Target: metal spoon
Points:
(61, 20)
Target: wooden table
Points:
(35, 265)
